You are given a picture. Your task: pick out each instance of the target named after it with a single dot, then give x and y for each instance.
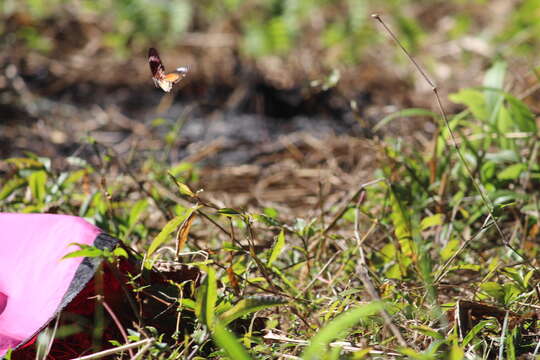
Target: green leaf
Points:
(426, 330)
(474, 100)
(404, 114)
(276, 249)
(523, 117)
(493, 289)
(37, 183)
(475, 330)
(120, 252)
(188, 304)
(512, 172)
(171, 226)
(25, 163)
(451, 247)
(182, 188)
(207, 298)
(431, 221)
(494, 80)
(336, 328)
(401, 221)
(456, 353)
(85, 251)
(229, 212)
(250, 305)
(138, 208)
(470, 267)
(228, 342)
(10, 186)
(510, 345)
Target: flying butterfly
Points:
(161, 79)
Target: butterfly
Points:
(162, 80)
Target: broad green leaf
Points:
(138, 208)
(493, 289)
(250, 305)
(394, 272)
(431, 221)
(10, 186)
(276, 249)
(474, 100)
(451, 247)
(337, 327)
(85, 251)
(523, 117)
(37, 182)
(487, 171)
(120, 252)
(512, 172)
(228, 342)
(527, 278)
(494, 81)
(171, 226)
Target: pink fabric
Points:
(33, 276)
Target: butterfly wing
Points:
(162, 80)
(156, 67)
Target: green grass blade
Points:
(250, 305)
(207, 298)
(404, 113)
(278, 246)
(228, 342)
(336, 327)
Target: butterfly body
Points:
(160, 78)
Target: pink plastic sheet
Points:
(35, 282)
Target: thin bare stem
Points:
(116, 322)
(485, 199)
(115, 350)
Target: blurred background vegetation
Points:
(287, 42)
(80, 66)
(71, 62)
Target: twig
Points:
(141, 352)
(115, 350)
(345, 345)
(479, 189)
(116, 322)
(503, 335)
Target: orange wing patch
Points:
(162, 80)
